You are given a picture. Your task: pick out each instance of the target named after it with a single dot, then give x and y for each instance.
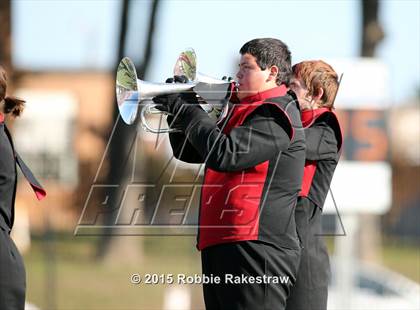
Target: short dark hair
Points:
(271, 52)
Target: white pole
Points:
(345, 253)
(177, 298)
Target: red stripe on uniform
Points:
(308, 176)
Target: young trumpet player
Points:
(254, 167)
(315, 84)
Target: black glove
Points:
(176, 79)
(172, 103)
(227, 78)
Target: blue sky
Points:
(82, 35)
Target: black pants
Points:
(12, 275)
(251, 259)
(311, 289)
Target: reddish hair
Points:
(316, 74)
(11, 104)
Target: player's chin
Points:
(242, 91)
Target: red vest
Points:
(229, 209)
(309, 117)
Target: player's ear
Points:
(319, 94)
(274, 71)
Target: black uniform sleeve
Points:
(261, 137)
(181, 147)
(321, 142)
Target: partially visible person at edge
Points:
(253, 172)
(315, 84)
(12, 270)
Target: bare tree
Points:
(372, 34)
(122, 143)
(5, 36)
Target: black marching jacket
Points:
(8, 177)
(323, 146)
(254, 167)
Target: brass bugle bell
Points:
(131, 91)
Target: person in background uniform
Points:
(12, 270)
(254, 167)
(315, 84)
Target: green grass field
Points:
(78, 281)
(73, 279)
